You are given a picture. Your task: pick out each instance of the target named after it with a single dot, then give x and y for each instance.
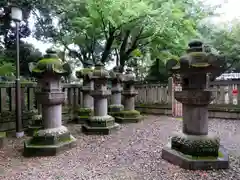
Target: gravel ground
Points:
(133, 152)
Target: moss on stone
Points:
(113, 113)
(51, 63)
(86, 70)
(80, 110)
(2, 134)
(115, 106)
(84, 117)
(101, 73)
(83, 72)
(134, 112)
(197, 54)
(220, 155)
(42, 64)
(127, 114)
(60, 141)
(35, 133)
(84, 112)
(200, 58)
(196, 145)
(55, 61)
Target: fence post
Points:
(170, 90)
(238, 96)
(207, 81)
(222, 95)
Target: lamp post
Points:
(16, 15)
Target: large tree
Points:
(224, 38)
(8, 38)
(187, 16)
(115, 29)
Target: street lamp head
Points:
(16, 13)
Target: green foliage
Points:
(6, 69)
(122, 28)
(158, 72)
(224, 39)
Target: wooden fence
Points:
(162, 93)
(147, 94)
(7, 96)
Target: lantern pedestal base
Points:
(100, 125)
(32, 129)
(128, 117)
(83, 115)
(36, 124)
(192, 163)
(49, 142)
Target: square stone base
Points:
(115, 109)
(32, 129)
(82, 115)
(114, 114)
(2, 139)
(81, 119)
(119, 119)
(89, 130)
(48, 150)
(185, 162)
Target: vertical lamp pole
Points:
(16, 15)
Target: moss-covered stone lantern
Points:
(101, 122)
(86, 111)
(116, 98)
(54, 137)
(194, 148)
(129, 114)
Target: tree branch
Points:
(124, 43)
(135, 42)
(108, 45)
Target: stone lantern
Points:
(86, 110)
(101, 122)
(54, 137)
(194, 148)
(116, 98)
(129, 114)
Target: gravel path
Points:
(132, 153)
